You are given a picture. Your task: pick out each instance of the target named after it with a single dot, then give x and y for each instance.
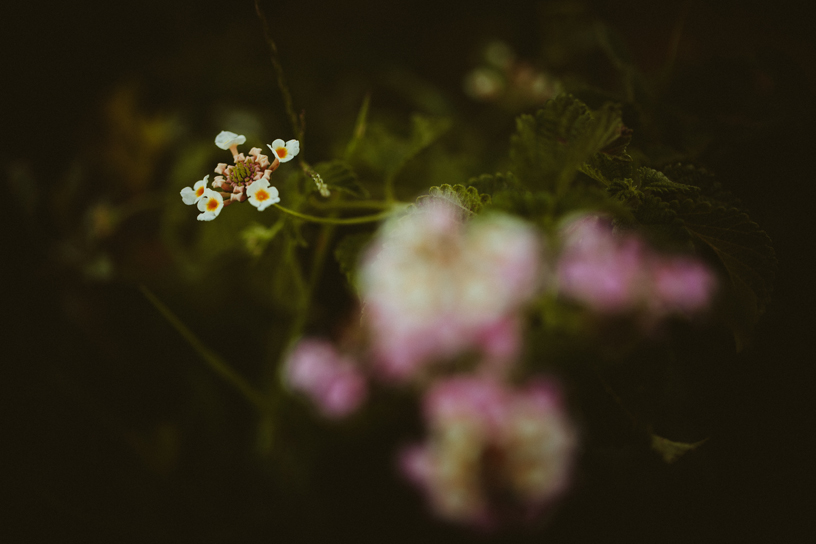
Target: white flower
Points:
(210, 205)
(285, 152)
(227, 139)
(261, 195)
(192, 195)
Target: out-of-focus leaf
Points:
(742, 247)
(348, 253)
(386, 152)
(671, 451)
(548, 148)
(359, 128)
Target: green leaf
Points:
(467, 199)
(710, 189)
(359, 128)
(339, 176)
(348, 253)
(743, 248)
(606, 168)
(256, 237)
(671, 451)
(654, 182)
(548, 148)
(491, 184)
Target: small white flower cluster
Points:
(246, 179)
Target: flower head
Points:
(435, 286)
(494, 452)
(332, 381)
(192, 195)
(261, 195)
(210, 205)
(618, 273)
(285, 151)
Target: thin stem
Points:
(213, 361)
(334, 221)
(352, 205)
(297, 125)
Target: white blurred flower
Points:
(226, 139)
(261, 195)
(438, 287)
(285, 151)
(191, 195)
(210, 205)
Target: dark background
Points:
(82, 410)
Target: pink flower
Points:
(435, 286)
(333, 382)
(681, 284)
(602, 270)
(494, 454)
(614, 273)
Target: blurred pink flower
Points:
(494, 454)
(435, 286)
(617, 273)
(333, 382)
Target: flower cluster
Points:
(614, 274)
(435, 286)
(506, 80)
(246, 179)
(445, 300)
(334, 382)
(495, 452)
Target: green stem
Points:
(284, 88)
(213, 361)
(352, 204)
(333, 221)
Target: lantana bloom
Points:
(261, 195)
(617, 273)
(495, 453)
(285, 151)
(210, 205)
(332, 381)
(191, 195)
(435, 286)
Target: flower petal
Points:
(226, 139)
(188, 196)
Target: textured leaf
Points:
(606, 168)
(654, 182)
(348, 253)
(466, 199)
(548, 148)
(339, 176)
(494, 183)
(671, 451)
(710, 189)
(742, 247)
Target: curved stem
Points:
(333, 221)
(352, 204)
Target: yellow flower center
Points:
(199, 191)
(212, 205)
(282, 152)
(261, 195)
